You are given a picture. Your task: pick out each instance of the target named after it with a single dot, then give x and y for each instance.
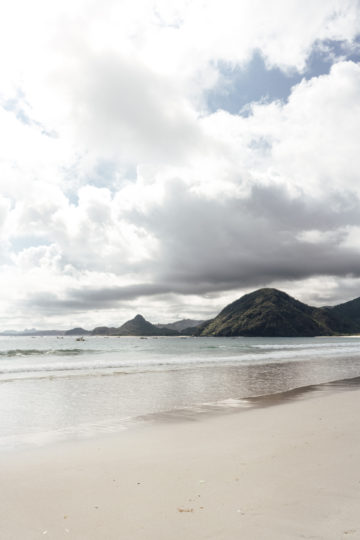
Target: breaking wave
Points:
(48, 352)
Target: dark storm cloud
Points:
(303, 212)
(248, 241)
(209, 245)
(83, 299)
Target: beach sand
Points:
(286, 471)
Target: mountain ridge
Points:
(138, 326)
(269, 312)
(265, 312)
(181, 325)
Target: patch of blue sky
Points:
(238, 87)
(109, 174)
(18, 106)
(15, 105)
(24, 242)
(72, 196)
(105, 174)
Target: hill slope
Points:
(179, 326)
(349, 312)
(77, 332)
(141, 327)
(269, 312)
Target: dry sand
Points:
(282, 472)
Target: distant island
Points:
(263, 313)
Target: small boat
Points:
(80, 339)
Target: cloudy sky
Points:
(166, 157)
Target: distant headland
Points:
(263, 313)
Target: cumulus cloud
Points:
(120, 188)
(123, 109)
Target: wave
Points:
(126, 367)
(57, 361)
(48, 352)
(306, 346)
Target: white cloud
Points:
(194, 202)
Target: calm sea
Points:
(60, 388)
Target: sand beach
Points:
(285, 470)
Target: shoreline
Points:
(274, 472)
(193, 413)
(198, 412)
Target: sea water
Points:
(55, 388)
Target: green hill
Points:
(77, 332)
(179, 326)
(141, 327)
(349, 312)
(269, 312)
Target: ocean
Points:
(56, 389)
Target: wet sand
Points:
(285, 471)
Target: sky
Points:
(166, 157)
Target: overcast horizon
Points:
(165, 158)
